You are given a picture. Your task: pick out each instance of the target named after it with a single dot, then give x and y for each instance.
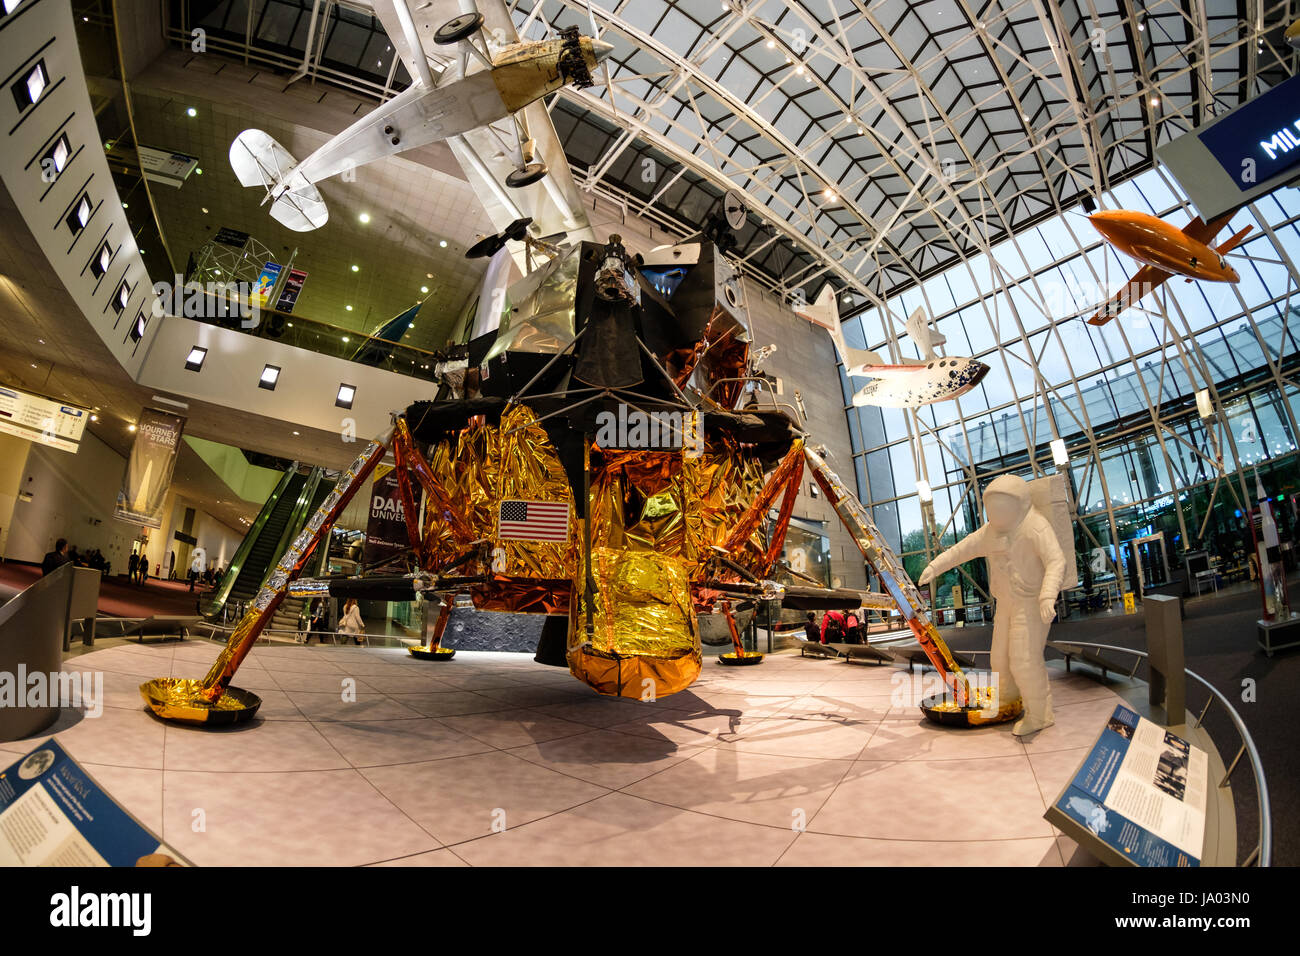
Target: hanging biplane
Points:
(474, 85)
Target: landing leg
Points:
(739, 656)
(434, 651)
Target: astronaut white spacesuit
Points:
(1026, 568)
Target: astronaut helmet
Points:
(1006, 502)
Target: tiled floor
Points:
(493, 759)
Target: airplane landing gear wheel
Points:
(458, 28)
(530, 174)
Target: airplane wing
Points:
(1203, 231)
(485, 154)
(1145, 280)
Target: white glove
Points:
(1046, 610)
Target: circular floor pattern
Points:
(368, 756)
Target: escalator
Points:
(289, 506)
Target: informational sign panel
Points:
(1141, 792)
(386, 526)
(291, 290)
(266, 282)
(149, 469)
(53, 813)
(42, 420)
(165, 167)
(1245, 153)
(231, 237)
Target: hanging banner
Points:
(265, 283)
(149, 469)
(386, 527)
(292, 289)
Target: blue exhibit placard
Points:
(1142, 791)
(53, 813)
(1259, 140)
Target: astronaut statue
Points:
(1026, 569)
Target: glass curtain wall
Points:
(1122, 397)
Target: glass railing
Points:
(293, 329)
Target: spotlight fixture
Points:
(443, 243)
(191, 112)
(137, 329)
(57, 157)
(80, 214)
(131, 427)
(122, 298)
(194, 361)
(364, 217)
(1060, 456)
(356, 268)
(349, 308)
(270, 378)
(30, 87)
(345, 396)
(99, 265)
(424, 289)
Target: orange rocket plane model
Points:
(1164, 252)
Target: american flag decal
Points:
(533, 521)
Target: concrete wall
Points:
(13, 460)
(72, 496)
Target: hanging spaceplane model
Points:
(913, 382)
(1164, 252)
(474, 85)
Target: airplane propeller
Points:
(604, 64)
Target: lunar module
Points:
(602, 452)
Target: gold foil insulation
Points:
(483, 466)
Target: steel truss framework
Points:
(1173, 346)
(876, 143)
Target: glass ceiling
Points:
(876, 144)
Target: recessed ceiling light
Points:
(364, 217)
(194, 361)
(443, 243)
(131, 427)
(428, 275)
(191, 112)
(424, 289)
(356, 268)
(345, 396)
(198, 172)
(295, 433)
(348, 307)
(205, 210)
(346, 339)
(270, 376)
(94, 418)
